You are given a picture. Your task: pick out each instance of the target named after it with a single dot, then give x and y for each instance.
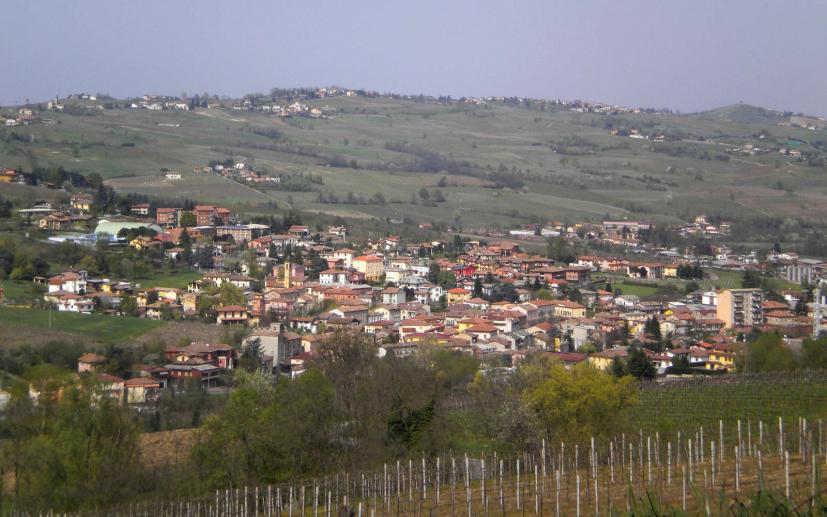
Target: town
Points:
(289, 290)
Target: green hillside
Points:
(492, 164)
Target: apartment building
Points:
(740, 307)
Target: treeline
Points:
(351, 410)
(769, 353)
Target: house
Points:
(166, 217)
(68, 282)
(89, 362)
(457, 295)
(299, 231)
(232, 315)
(81, 203)
(206, 215)
(111, 386)
(139, 209)
(141, 390)
(568, 309)
(342, 256)
(373, 266)
(353, 313)
(54, 221)
(275, 346)
(241, 232)
(70, 302)
(220, 355)
(196, 369)
(333, 276)
(393, 296)
(9, 176)
(603, 360)
(338, 231)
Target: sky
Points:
(686, 55)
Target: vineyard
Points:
(703, 401)
(767, 467)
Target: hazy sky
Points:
(688, 55)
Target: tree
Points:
(187, 220)
(814, 354)
(559, 250)
(574, 403)
(640, 366)
(186, 244)
(750, 279)
(83, 455)
(433, 272)
(768, 353)
(652, 327)
(477, 287)
(619, 368)
(228, 294)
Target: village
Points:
(290, 292)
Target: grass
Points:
(15, 290)
(732, 280)
(96, 327)
(177, 279)
(635, 289)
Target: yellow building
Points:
(722, 357)
(603, 360)
(568, 309)
(372, 266)
(457, 295)
(81, 203)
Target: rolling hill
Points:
(494, 163)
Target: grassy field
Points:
(17, 290)
(178, 279)
(635, 289)
(94, 327)
(570, 167)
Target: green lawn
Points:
(732, 280)
(178, 279)
(14, 290)
(637, 290)
(106, 329)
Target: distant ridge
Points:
(743, 114)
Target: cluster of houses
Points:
(388, 291)
(195, 363)
(23, 117)
(241, 172)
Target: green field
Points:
(178, 279)
(94, 327)
(766, 397)
(17, 290)
(635, 289)
(564, 165)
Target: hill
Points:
(745, 114)
(492, 163)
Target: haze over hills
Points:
(493, 161)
